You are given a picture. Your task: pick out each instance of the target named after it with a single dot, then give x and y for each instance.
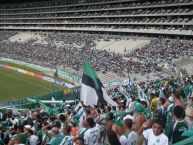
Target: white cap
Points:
(171, 99)
(129, 117)
(153, 91)
(33, 128)
(142, 99)
(28, 126)
(67, 105)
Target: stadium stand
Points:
(61, 50)
(63, 33)
(172, 18)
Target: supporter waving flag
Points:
(92, 90)
(142, 95)
(126, 95)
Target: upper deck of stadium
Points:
(133, 17)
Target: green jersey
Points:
(23, 138)
(67, 140)
(39, 135)
(82, 131)
(56, 140)
(1, 142)
(175, 129)
(6, 137)
(187, 90)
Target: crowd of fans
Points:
(165, 50)
(165, 117)
(68, 55)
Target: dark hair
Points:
(67, 128)
(57, 124)
(165, 92)
(62, 117)
(114, 108)
(112, 138)
(182, 94)
(152, 95)
(191, 98)
(108, 109)
(178, 112)
(111, 116)
(90, 122)
(79, 139)
(160, 122)
(18, 127)
(128, 123)
(45, 123)
(144, 103)
(176, 94)
(98, 110)
(30, 131)
(162, 100)
(87, 111)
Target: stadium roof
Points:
(20, 1)
(66, 1)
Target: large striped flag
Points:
(92, 90)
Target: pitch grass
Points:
(31, 69)
(14, 85)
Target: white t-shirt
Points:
(161, 139)
(128, 140)
(33, 140)
(91, 136)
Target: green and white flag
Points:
(92, 90)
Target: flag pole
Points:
(53, 91)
